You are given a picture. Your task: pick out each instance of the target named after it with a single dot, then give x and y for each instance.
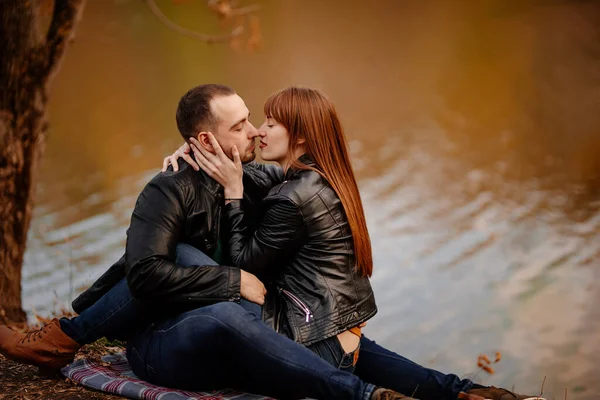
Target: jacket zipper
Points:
(277, 319)
(218, 227)
(298, 303)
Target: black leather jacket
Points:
(304, 247)
(177, 207)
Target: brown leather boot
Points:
(494, 393)
(387, 394)
(48, 347)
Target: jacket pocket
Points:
(298, 303)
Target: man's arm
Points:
(156, 227)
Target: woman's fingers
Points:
(216, 145)
(166, 163)
(199, 149)
(205, 164)
(185, 148)
(218, 166)
(181, 152)
(189, 160)
(199, 154)
(173, 161)
(236, 157)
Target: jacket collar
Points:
(304, 159)
(209, 183)
(206, 181)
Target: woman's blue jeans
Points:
(226, 345)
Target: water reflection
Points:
(473, 131)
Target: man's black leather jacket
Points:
(304, 247)
(177, 207)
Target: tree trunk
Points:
(29, 61)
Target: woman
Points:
(312, 247)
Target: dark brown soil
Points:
(19, 381)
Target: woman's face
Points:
(274, 141)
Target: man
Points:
(184, 207)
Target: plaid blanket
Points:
(114, 375)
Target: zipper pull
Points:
(308, 316)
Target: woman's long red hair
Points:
(308, 114)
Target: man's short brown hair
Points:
(194, 113)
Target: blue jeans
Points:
(117, 315)
(224, 345)
(382, 367)
(375, 365)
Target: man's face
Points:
(234, 127)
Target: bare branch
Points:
(542, 389)
(189, 33)
(225, 10)
(66, 16)
(245, 10)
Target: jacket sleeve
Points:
(156, 226)
(259, 179)
(279, 235)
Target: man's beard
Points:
(248, 158)
(245, 157)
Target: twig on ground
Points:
(542, 388)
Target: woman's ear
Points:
(205, 141)
(301, 141)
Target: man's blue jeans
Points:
(117, 315)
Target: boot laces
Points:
(37, 334)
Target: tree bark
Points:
(29, 62)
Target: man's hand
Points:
(251, 288)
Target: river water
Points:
(473, 130)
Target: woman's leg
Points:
(223, 345)
(382, 367)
